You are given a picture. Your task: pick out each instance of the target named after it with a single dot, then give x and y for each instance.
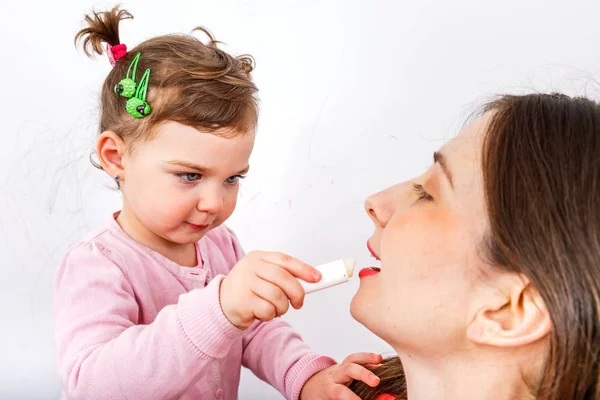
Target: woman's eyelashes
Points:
(421, 193)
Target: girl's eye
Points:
(189, 177)
(232, 180)
(420, 191)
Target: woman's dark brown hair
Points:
(192, 83)
(391, 382)
(541, 176)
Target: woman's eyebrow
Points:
(440, 159)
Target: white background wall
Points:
(355, 96)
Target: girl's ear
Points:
(110, 149)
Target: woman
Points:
(489, 285)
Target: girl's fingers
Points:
(263, 310)
(363, 358)
(350, 371)
(272, 294)
(284, 280)
(295, 267)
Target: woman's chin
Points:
(361, 308)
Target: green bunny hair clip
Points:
(137, 106)
(127, 86)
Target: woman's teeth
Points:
(377, 267)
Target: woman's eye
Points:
(189, 177)
(232, 180)
(420, 191)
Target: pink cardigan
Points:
(131, 324)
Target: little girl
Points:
(146, 307)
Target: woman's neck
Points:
(182, 254)
(458, 378)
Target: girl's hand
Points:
(332, 383)
(262, 285)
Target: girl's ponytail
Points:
(103, 27)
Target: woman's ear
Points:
(110, 149)
(517, 318)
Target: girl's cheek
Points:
(178, 206)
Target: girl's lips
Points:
(368, 272)
(197, 227)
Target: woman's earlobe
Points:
(522, 320)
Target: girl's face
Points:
(182, 183)
(427, 235)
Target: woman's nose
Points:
(380, 206)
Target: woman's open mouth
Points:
(372, 251)
(370, 271)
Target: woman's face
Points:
(427, 235)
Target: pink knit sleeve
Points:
(104, 354)
(277, 354)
